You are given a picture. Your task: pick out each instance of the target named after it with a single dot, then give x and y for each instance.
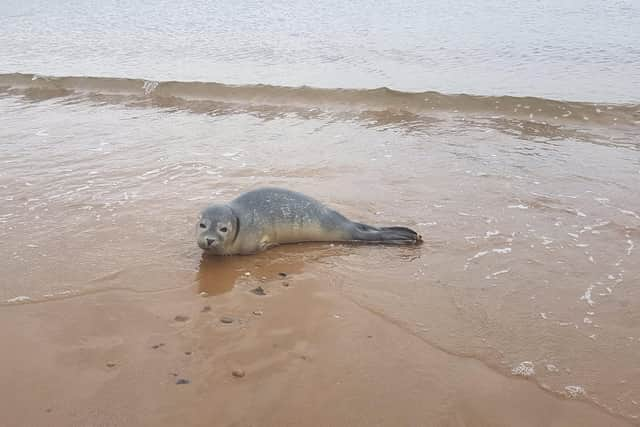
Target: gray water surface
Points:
(569, 50)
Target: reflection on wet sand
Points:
(219, 274)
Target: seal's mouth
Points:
(209, 243)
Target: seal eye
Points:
(202, 225)
(223, 229)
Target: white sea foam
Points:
(149, 86)
(518, 207)
(524, 369)
(21, 298)
(491, 233)
(587, 296)
(153, 171)
(628, 212)
(574, 391)
(478, 255)
(497, 273)
(502, 250)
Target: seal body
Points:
(265, 217)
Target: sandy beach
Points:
(308, 356)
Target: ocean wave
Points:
(176, 94)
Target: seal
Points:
(266, 217)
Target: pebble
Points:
(157, 345)
(238, 373)
(188, 353)
(181, 318)
(282, 274)
(226, 319)
(258, 313)
(111, 365)
(206, 308)
(182, 381)
(259, 291)
(285, 284)
(204, 294)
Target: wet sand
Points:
(309, 356)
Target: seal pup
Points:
(266, 217)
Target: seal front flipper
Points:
(391, 235)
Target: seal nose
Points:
(210, 241)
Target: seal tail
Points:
(390, 235)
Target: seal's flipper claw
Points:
(400, 235)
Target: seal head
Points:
(217, 229)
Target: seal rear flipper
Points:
(391, 235)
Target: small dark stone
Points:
(48, 410)
(188, 353)
(183, 381)
(111, 365)
(173, 374)
(157, 346)
(206, 308)
(259, 291)
(238, 373)
(282, 274)
(285, 284)
(181, 318)
(226, 319)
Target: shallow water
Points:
(529, 206)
